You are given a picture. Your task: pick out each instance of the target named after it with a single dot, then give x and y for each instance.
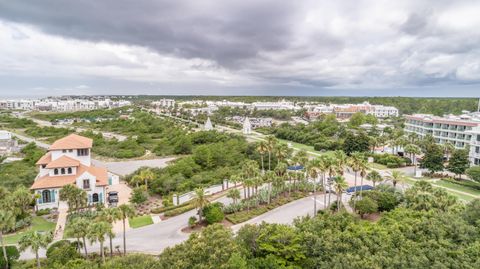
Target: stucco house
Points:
(68, 161)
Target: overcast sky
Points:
(247, 47)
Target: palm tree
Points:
(127, 211)
(341, 161)
(313, 171)
(300, 159)
(322, 166)
(448, 148)
(271, 142)
(23, 199)
(355, 161)
(375, 177)
(331, 168)
(234, 194)
(268, 178)
(146, 176)
(35, 240)
(396, 177)
(97, 232)
(281, 152)
(248, 183)
(136, 179)
(340, 185)
(78, 228)
(363, 173)
(7, 222)
(413, 150)
(200, 201)
(280, 173)
(110, 215)
(262, 148)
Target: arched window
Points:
(46, 196)
(95, 197)
(62, 171)
(69, 170)
(55, 171)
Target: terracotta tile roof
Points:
(63, 161)
(72, 141)
(45, 158)
(59, 181)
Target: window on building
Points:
(82, 152)
(62, 171)
(86, 184)
(70, 150)
(69, 170)
(46, 196)
(95, 198)
(478, 137)
(44, 165)
(64, 151)
(55, 171)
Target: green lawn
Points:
(38, 224)
(140, 221)
(451, 188)
(377, 166)
(457, 187)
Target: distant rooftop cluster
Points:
(62, 104)
(345, 111)
(314, 110)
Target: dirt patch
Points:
(374, 217)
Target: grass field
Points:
(140, 221)
(377, 166)
(38, 224)
(457, 187)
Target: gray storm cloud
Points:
(313, 44)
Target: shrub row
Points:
(246, 214)
(179, 211)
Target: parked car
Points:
(113, 197)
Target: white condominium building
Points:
(164, 103)
(462, 131)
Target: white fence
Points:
(183, 198)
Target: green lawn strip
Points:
(38, 224)
(377, 166)
(451, 188)
(457, 187)
(242, 216)
(140, 221)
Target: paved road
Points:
(287, 213)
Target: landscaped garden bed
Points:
(246, 214)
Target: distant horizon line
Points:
(215, 95)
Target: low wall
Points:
(183, 198)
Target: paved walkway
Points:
(61, 222)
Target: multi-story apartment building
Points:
(475, 145)
(68, 161)
(462, 131)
